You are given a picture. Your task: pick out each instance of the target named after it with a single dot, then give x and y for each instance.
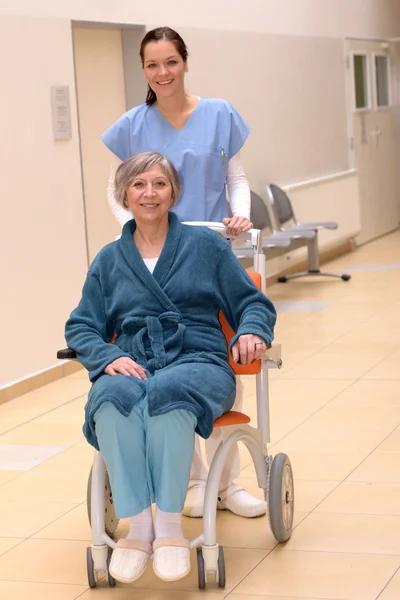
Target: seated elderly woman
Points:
(147, 330)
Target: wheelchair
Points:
(274, 473)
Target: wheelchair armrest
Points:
(273, 354)
(66, 353)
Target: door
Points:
(101, 101)
(374, 144)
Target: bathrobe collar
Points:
(155, 281)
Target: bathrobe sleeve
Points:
(247, 309)
(89, 332)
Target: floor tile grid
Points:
(319, 409)
(348, 477)
(382, 595)
(15, 425)
(364, 376)
(35, 533)
(29, 420)
(351, 383)
(245, 464)
(286, 373)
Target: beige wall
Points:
(291, 91)
(329, 199)
(42, 240)
(324, 18)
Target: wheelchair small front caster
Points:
(110, 579)
(281, 498)
(201, 572)
(91, 573)
(221, 568)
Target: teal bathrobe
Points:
(167, 322)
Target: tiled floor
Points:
(335, 409)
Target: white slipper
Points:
(237, 500)
(171, 560)
(129, 560)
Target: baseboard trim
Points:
(39, 380)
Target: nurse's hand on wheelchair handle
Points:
(125, 366)
(248, 348)
(237, 225)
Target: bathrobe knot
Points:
(155, 340)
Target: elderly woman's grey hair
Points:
(140, 163)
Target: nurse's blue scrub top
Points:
(200, 151)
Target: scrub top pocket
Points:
(216, 170)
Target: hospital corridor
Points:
(335, 410)
(200, 300)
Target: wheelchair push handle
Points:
(254, 235)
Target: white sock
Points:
(142, 527)
(168, 525)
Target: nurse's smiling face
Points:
(164, 68)
(150, 195)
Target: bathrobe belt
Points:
(155, 341)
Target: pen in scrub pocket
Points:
(223, 155)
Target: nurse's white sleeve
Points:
(238, 188)
(120, 213)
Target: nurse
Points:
(203, 138)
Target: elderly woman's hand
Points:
(237, 225)
(125, 366)
(248, 348)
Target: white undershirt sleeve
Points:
(238, 188)
(120, 213)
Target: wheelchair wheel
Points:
(201, 574)
(91, 574)
(221, 568)
(110, 520)
(110, 579)
(281, 498)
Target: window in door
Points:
(382, 81)
(361, 87)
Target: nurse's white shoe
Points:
(237, 500)
(234, 498)
(194, 500)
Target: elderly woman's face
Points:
(149, 196)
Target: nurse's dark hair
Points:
(138, 164)
(156, 35)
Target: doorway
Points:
(374, 144)
(109, 81)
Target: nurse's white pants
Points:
(198, 471)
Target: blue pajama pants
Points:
(148, 459)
